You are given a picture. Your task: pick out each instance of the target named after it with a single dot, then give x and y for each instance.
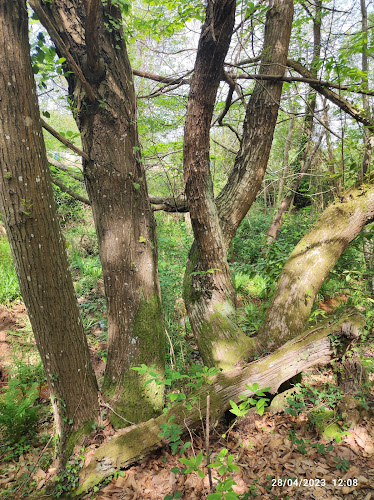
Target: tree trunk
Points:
(368, 249)
(208, 289)
(287, 201)
(286, 154)
(309, 264)
(105, 109)
(38, 248)
(310, 348)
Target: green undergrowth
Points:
(9, 289)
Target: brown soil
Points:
(8, 322)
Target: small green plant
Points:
(322, 448)
(301, 445)
(258, 400)
(18, 411)
(296, 405)
(172, 432)
(68, 479)
(341, 464)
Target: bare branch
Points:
(64, 168)
(162, 79)
(64, 141)
(331, 95)
(168, 204)
(70, 192)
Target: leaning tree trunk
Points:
(90, 36)
(308, 349)
(309, 264)
(29, 214)
(208, 288)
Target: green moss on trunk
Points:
(130, 397)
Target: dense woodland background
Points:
(181, 164)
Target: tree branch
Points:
(332, 96)
(64, 141)
(162, 79)
(70, 192)
(313, 347)
(64, 168)
(310, 80)
(168, 204)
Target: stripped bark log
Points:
(308, 349)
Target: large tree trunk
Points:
(309, 264)
(208, 289)
(29, 214)
(89, 35)
(310, 348)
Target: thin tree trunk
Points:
(286, 154)
(208, 289)
(309, 264)
(105, 111)
(287, 201)
(331, 159)
(29, 214)
(368, 250)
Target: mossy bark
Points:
(101, 88)
(212, 313)
(29, 213)
(208, 288)
(309, 264)
(310, 348)
(131, 397)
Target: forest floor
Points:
(269, 450)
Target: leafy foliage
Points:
(18, 408)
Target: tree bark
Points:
(29, 214)
(368, 249)
(303, 166)
(286, 154)
(208, 289)
(220, 343)
(116, 185)
(311, 348)
(309, 264)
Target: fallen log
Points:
(317, 346)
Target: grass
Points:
(9, 290)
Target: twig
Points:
(171, 349)
(115, 413)
(34, 467)
(207, 443)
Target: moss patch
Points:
(130, 397)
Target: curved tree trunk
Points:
(89, 35)
(309, 264)
(30, 217)
(208, 289)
